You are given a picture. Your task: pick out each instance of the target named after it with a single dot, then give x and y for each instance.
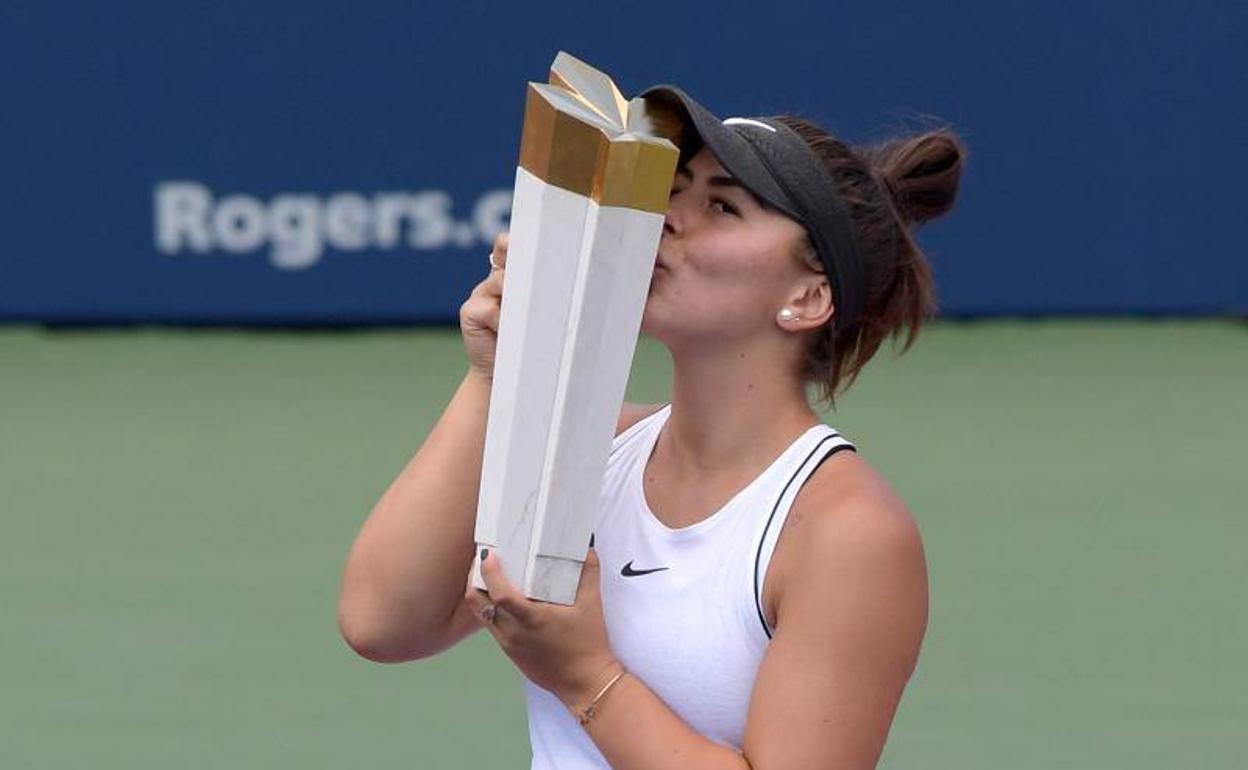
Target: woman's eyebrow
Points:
(721, 181)
(732, 183)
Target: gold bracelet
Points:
(591, 711)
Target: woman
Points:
(758, 595)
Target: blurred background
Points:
(235, 238)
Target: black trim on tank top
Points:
(758, 556)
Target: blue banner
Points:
(299, 163)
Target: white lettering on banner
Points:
(295, 226)
(298, 227)
(239, 224)
(346, 222)
(182, 217)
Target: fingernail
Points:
(484, 553)
(591, 541)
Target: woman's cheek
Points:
(728, 257)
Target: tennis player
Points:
(757, 595)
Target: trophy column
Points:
(587, 214)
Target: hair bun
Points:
(920, 172)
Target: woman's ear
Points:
(809, 306)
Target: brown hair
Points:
(890, 189)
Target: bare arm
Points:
(405, 576)
(403, 585)
(402, 593)
(851, 616)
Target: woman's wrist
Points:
(478, 378)
(581, 688)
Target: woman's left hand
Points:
(561, 649)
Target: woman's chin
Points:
(652, 323)
(647, 328)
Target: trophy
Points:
(591, 190)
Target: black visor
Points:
(770, 160)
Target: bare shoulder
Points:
(631, 414)
(846, 497)
(849, 529)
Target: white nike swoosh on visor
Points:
(749, 122)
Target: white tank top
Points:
(683, 607)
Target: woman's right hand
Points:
(478, 316)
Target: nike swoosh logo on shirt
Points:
(628, 570)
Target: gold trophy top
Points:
(582, 135)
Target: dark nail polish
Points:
(484, 553)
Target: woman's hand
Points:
(478, 316)
(561, 649)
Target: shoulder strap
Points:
(828, 445)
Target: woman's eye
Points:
(723, 206)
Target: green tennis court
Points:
(175, 507)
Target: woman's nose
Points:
(672, 219)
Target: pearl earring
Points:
(786, 314)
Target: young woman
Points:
(757, 595)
